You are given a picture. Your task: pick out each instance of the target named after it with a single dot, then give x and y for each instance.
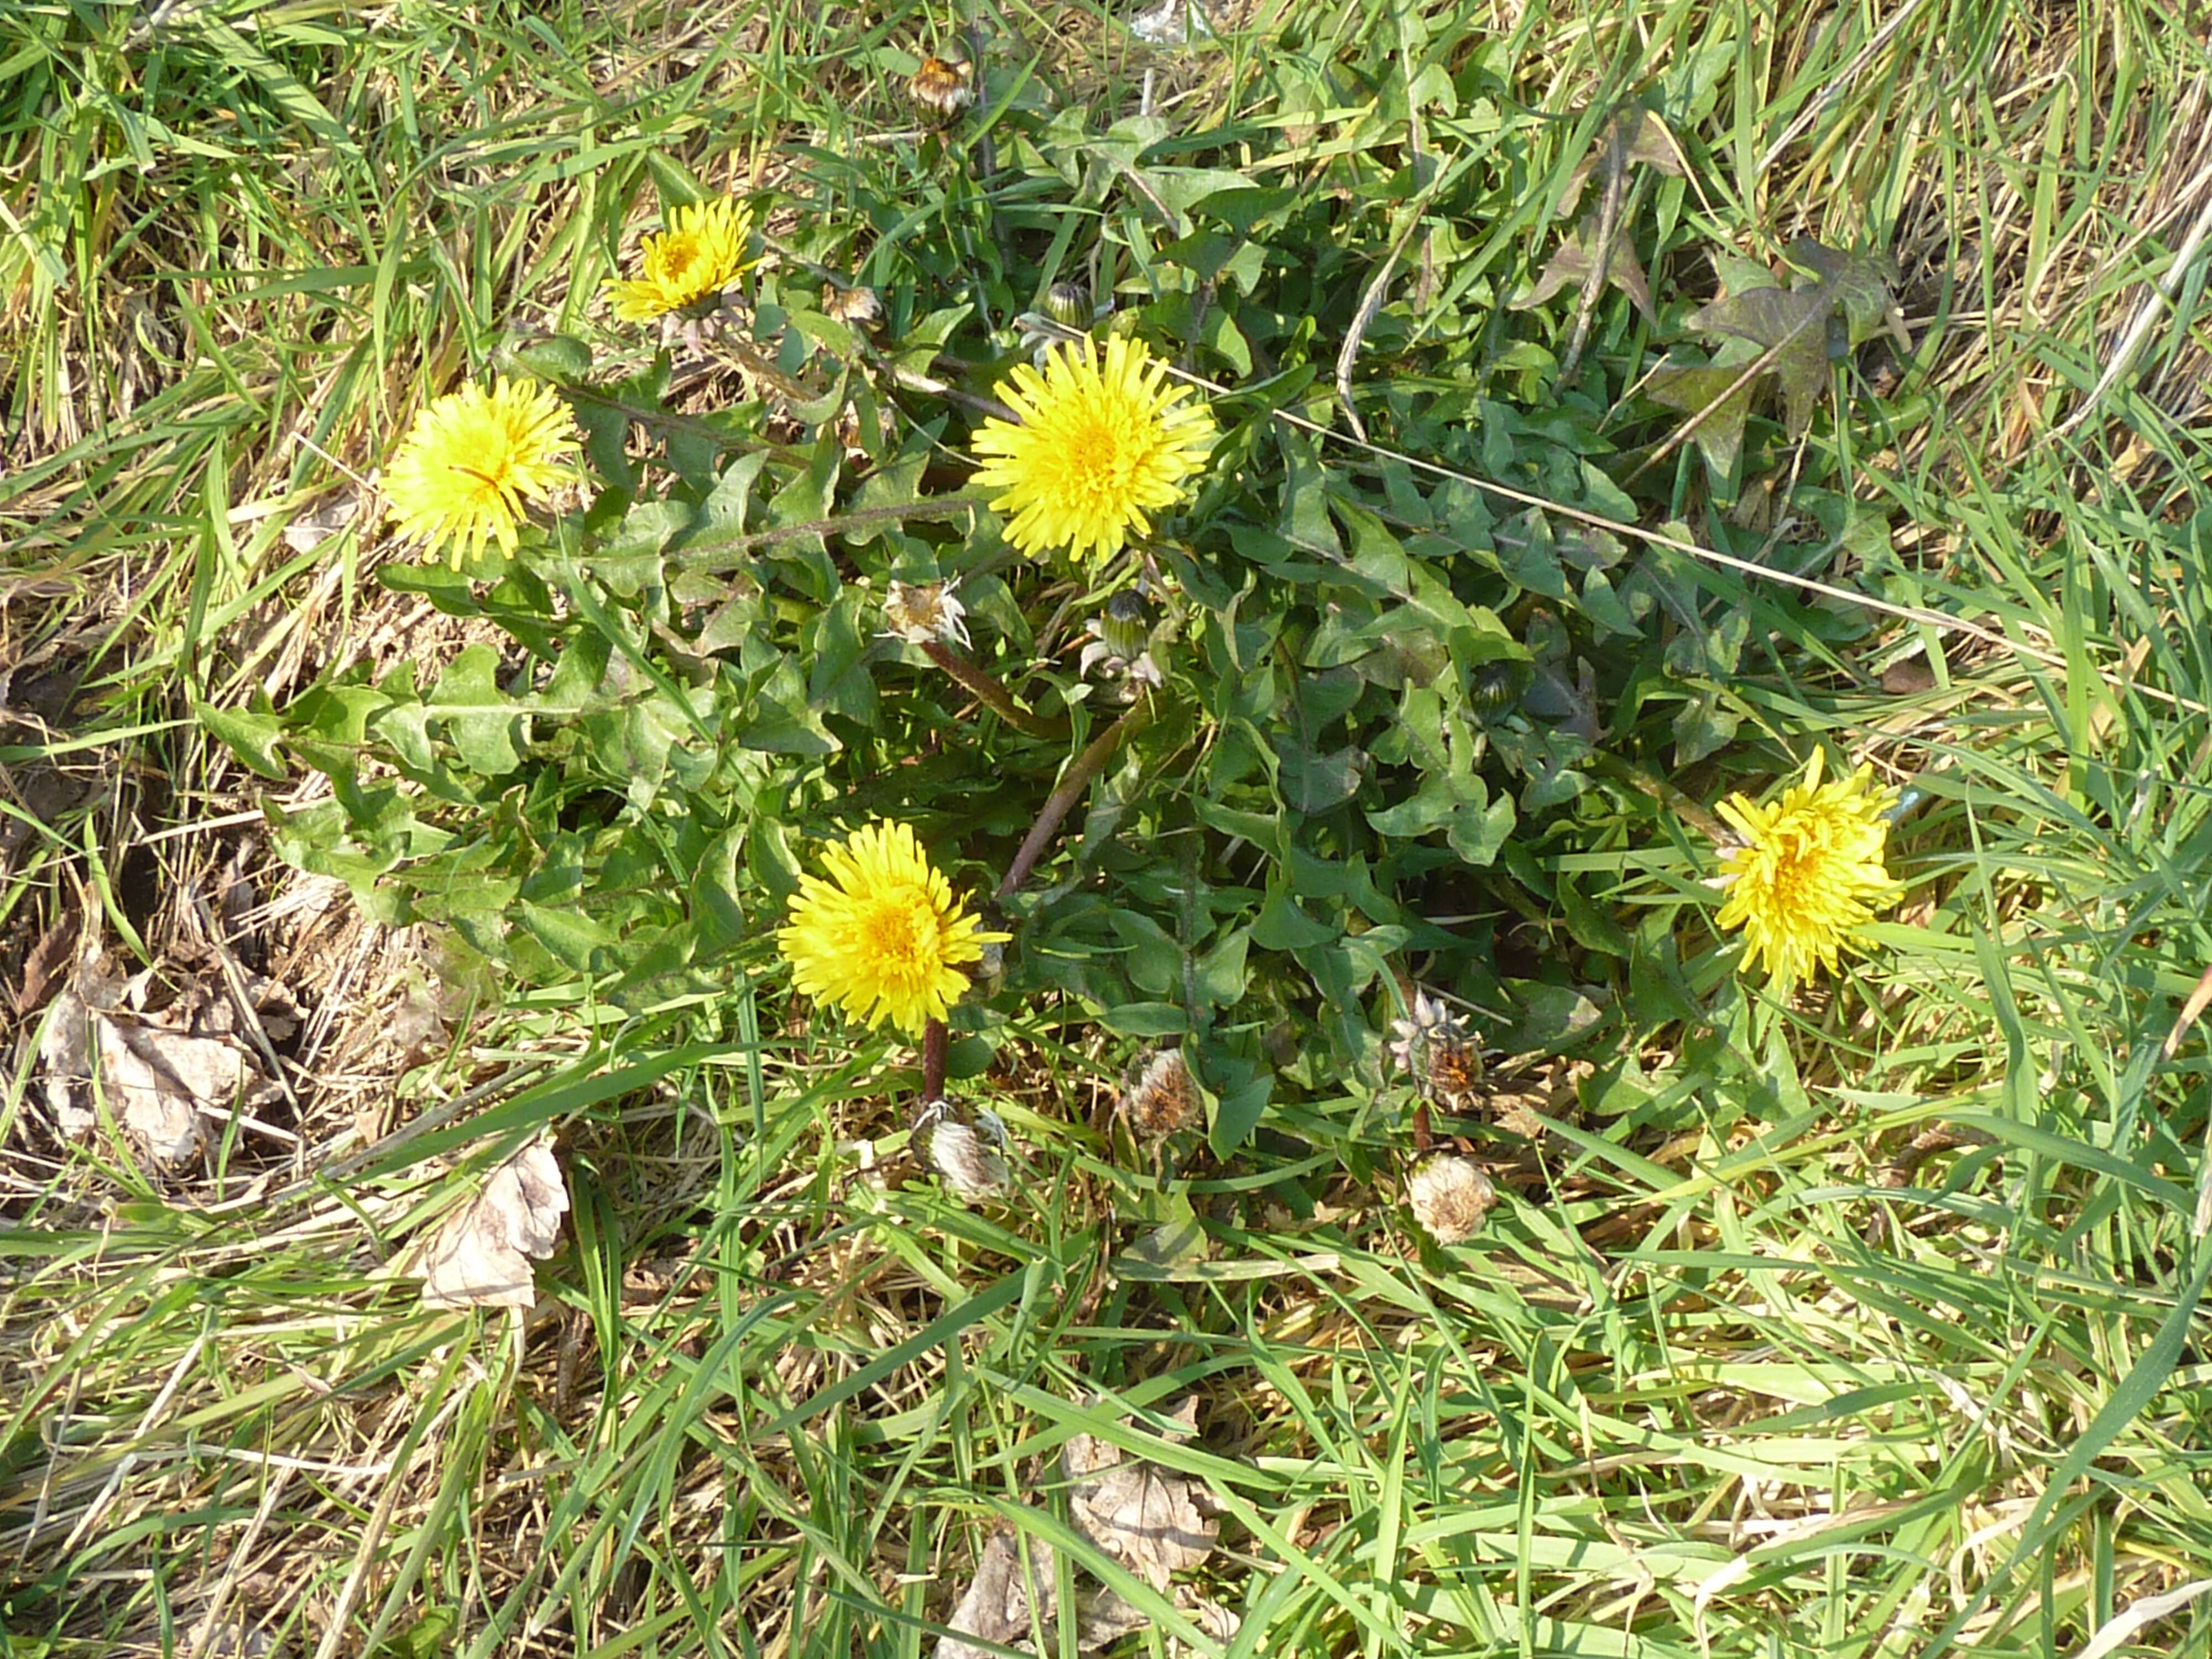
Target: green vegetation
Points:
(1613, 408)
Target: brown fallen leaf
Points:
(44, 960)
(1144, 1516)
(66, 1064)
(1211, 1617)
(163, 1085)
(481, 1257)
(996, 1606)
(1148, 1518)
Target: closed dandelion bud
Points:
(1068, 304)
(1161, 1099)
(1124, 624)
(943, 86)
(1116, 649)
(1450, 1196)
(1494, 687)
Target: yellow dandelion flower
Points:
(882, 937)
(1810, 870)
(1099, 445)
(701, 253)
(470, 460)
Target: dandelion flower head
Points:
(1450, 1196)
(1099, 444)
(1810, 871)
(701, 253)
(881, 935)
(919, 612)
(471, 459)
(1433, 1045)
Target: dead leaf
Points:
(44, 959)
(65, 1065)
(996, 1606)
(1211, 1617)
(308, 532)
(161, 1083)
(1804, 327)
(1143, 1516)
(1908, 678)
(481, 1258)
(1571, 265)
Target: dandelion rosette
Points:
(1810, 871)
(472, 459)
(882, 935)
(701, 253)
(1099, 445)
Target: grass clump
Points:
(1305, 1082)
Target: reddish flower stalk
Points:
(993, 695)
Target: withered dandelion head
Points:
(472, 459)
(861, 308)
(1810, 871)
(943, 86)
(1161, 1099)
(1097, 445)
(882, 935)
(1450, 1196)
(1431, 1044)
(966, 1147)
(701, 253)
(919, 612)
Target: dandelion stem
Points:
(995, 697)
(1085, 766)
(935, 1045)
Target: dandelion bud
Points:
(1068, 304)
(1450, 1196)
(1493, 687)
(1118, 638)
